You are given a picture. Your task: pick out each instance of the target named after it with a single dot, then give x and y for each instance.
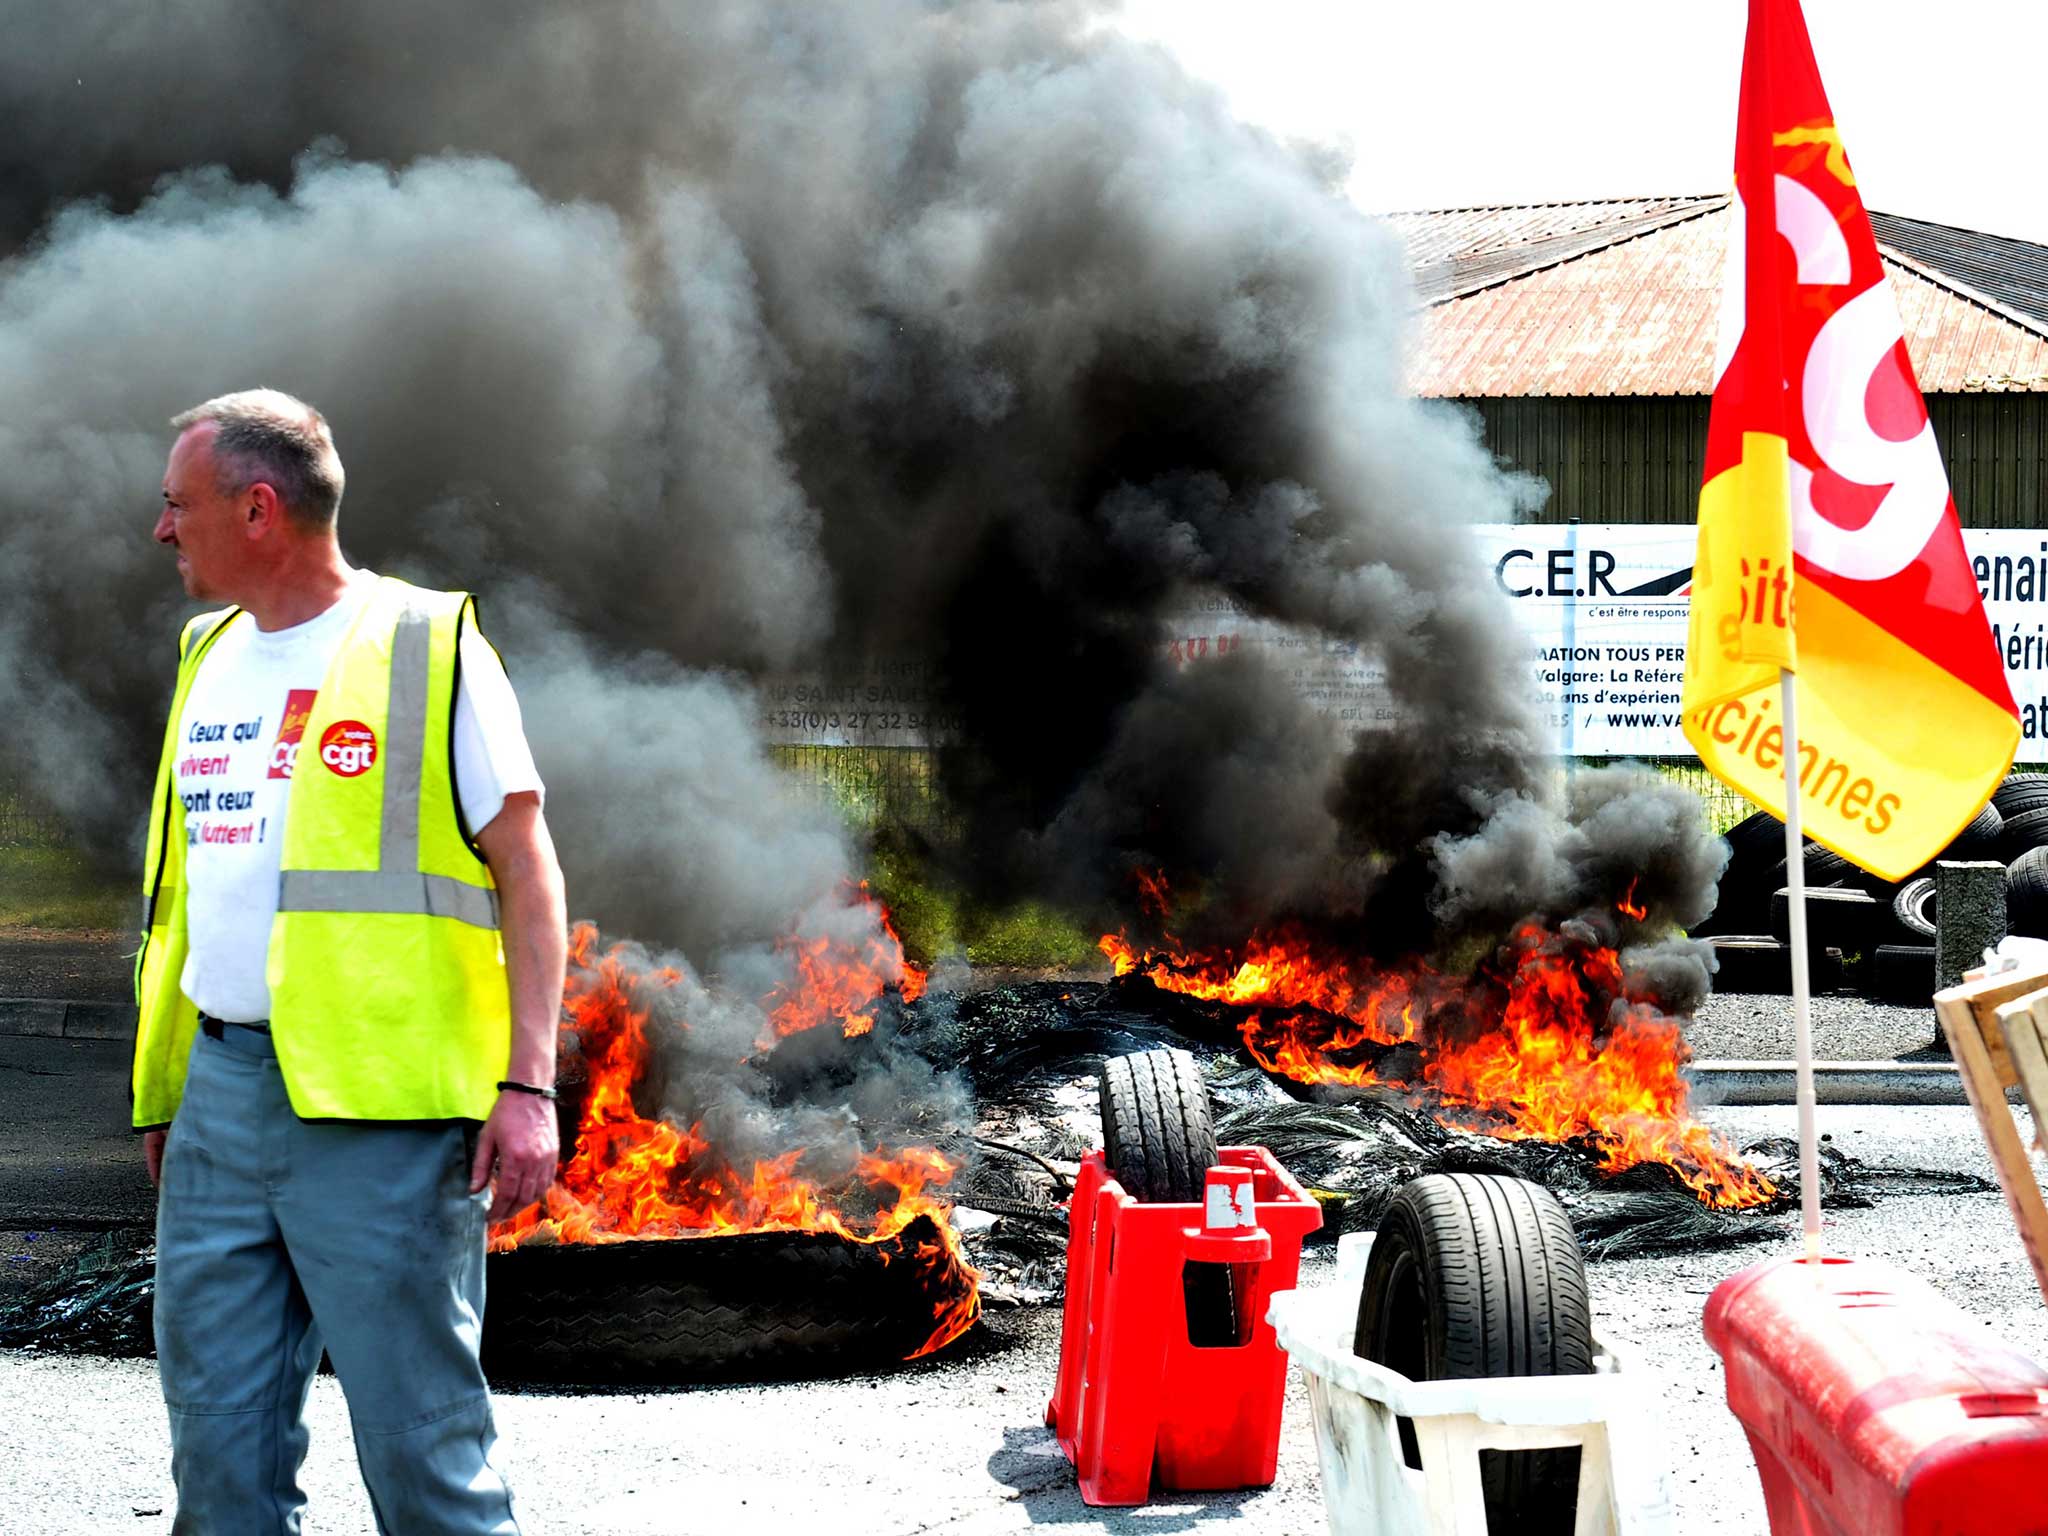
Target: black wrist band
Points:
(537, 1092)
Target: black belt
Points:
(214, 1027)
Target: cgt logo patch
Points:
(348, 748)
(284, 752)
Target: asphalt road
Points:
(86, 968)
(67, 1156)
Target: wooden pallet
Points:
(1997, 1029)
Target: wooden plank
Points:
(2020, 1022)
(1968, 1013)
(2002, 1066)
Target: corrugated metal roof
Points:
(2013, 272)
(1624, 299)
(1462, 250)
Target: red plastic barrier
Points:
(1135, 1396)
(1876, 1408)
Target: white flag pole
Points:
(1802, 1022)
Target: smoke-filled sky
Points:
(714, 340)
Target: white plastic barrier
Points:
(1370, 1491)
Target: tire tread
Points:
(1157, 1131)
(1505, 1294)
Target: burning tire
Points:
(1477, 1275)
(693, 1309)
(1157, 1136)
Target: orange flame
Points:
(1536, 1051)
(1153, 896)
(835, 980)
(631, 1177)
(1628, 906)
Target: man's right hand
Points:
(153, 1154)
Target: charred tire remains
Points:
(697, 1309)
(1159, 1141)
(1474, 1275)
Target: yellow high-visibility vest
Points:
(388, 998)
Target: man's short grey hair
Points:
(268, 435)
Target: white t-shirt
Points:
(238, 741)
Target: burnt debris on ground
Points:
(1030, 1054)
(98, 1303)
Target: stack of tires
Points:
(2023, 845)
(1877, 933)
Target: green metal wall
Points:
(1995, 446)
(1638, 459)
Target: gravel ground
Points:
(1755, 1026)
(958, 1445)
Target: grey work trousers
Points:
(276, 1237)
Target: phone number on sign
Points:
(858, 720)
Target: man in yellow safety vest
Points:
(348, 989)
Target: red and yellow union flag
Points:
(1828, 541)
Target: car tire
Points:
(2021, 792)
(1157, 1134)
(1903, 974)
(2024, 831)
(1479, 1275)
(1913, 909)
(688, 1309)
(1159, 1140)
(2026, 895)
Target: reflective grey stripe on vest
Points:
(371, 890)
(405, 743)
(397, 884)
(199, 635)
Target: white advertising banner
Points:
(1602, 607)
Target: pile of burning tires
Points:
(1871, 935)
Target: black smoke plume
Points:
(719, 341)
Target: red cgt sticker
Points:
(348, 747)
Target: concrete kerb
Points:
(56, 1019)
(1834, 1082)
